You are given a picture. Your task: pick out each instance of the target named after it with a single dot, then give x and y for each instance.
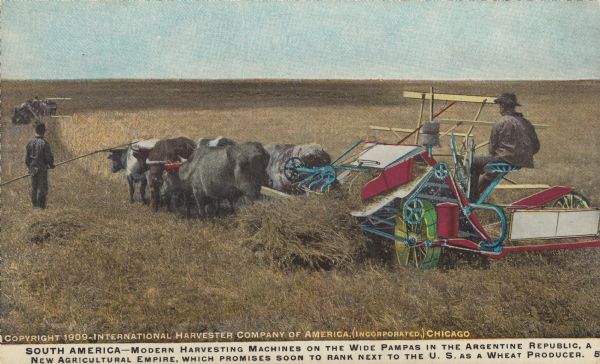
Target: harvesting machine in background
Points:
(419, 199)
(36, 109)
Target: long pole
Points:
(431, 104)
(420, 118)
(69, 160)
(475, 119)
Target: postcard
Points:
(334, 181)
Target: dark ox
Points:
(215, 142)
(313, 155)
(225, 173)
(164, 152)
(174, 192)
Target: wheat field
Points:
(92, 262)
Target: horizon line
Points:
(296, 79)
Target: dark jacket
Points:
(514, 139)
(38, 155)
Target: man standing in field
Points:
(38, 159)
(513, 140)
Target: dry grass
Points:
(95, 263)
(315, 232)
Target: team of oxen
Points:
(196, 177)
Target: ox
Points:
(164, 152)
(313, 155)
(173, 190)
(214, 142)
(124, 159)
(224, 173)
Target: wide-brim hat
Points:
(507, 99)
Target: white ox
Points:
(124, 159)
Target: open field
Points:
(94, 263)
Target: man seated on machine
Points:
(513, 141)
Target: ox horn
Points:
(181, 159)
(153, 163)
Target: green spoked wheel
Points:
(414, 233)
(572, 200)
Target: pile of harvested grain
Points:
(315, 232)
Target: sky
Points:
(426, 40)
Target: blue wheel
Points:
(413, 211)
(290, 169)
(441, 171)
